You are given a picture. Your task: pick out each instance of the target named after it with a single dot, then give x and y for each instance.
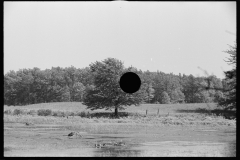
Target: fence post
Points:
(146, 112)
(158, 111)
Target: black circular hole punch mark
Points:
(130, 82)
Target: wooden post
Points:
(158, 112)
(146, 112)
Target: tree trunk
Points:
(116, 111)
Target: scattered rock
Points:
(28, 124)
(74, 134)
(119, 144)
(108, 144)
(71, 134)
(98, 145)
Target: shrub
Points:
(8, 111)
(66, 113)
(135, 115)
(82, 114)
(71, 114)
(32, 112)
(18, 111)
(44, 112)
(124, 114)
(59, 114)
(54, 113)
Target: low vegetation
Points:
(156, 114)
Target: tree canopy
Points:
(107, 93)
(101, 80)
(228, 100)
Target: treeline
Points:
(31, 86)
(169, 88)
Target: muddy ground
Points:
(140, 140)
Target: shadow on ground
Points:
(229, 114)
(109, 115)
(7, 149)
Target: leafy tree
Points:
(107, 93)
(202, 97)
(70, 79)
(24, 86)
(150, 92)
(78, 91)
(10, 90)
(174, 96)
(36, 87)
(57, 77)
(167, 84)
(177, 96)
(158, 86)
(181, 96)
(191, 87)
(88, 89)
(65, 94)
(85, 76)
(214, 86)
(229, 100)
(165, 98)
(147, 81)
(218, 96)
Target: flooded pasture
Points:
(138, 141)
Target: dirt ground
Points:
(141, 140)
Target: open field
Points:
(177, 130)
(77, 106)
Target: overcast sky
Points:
(175, 37)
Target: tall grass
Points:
(170, 114)
(79, 107)
(184, 120)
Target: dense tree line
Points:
(30, 86)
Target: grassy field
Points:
(152, 108)
(159, 114)
(174, 125)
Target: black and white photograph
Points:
(119, 78)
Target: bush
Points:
(124, 114)
(32, 112)
(67, 113)
(18, 111)
(8, 111)
(71, 114)
(136, 115)
(44, 112)
(59, 114)
(55, 113)
(82, 114)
